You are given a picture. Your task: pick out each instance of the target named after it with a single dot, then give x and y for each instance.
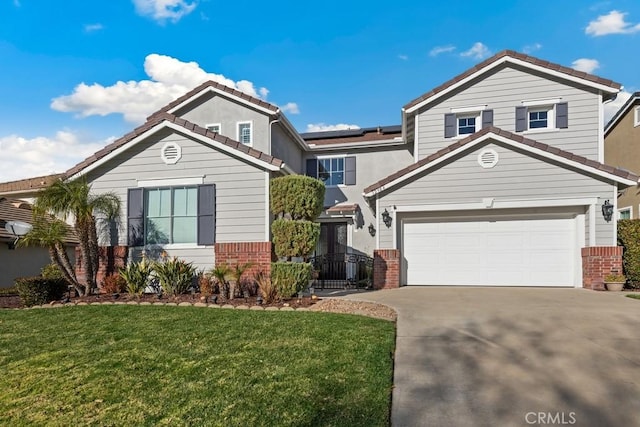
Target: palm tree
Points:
(51, 234)
(73, 199)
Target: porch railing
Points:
(342, 271)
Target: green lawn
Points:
(132, 365)
(634, 296)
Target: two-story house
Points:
(621, 140)
(495, 177)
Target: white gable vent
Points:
(171, 153)
(488, 158)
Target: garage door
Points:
(532, 252)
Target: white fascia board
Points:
(472, 109)
(524, 64)
(631, 102)
(163, 125)
(510, 142)
(171, 182)
(541, 102)
(292, 131)
(372, 144)
(498, 204)
(221, 93)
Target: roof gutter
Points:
(371, 144)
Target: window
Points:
(624, 213)
(466, 125)
(171, 215)
(546, 114)
(636, 117)
(331, 171)
(214, 127)
(538, 119)
(244, 133)
(466, 121)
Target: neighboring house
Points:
(622, 149)
(22, 261)
(26, 189)
(495, 177)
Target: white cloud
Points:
(585, 64)
(403, 57)
(477, 51)
(530, 48)
(441, 49)
(169, 79)
(322, 127)
(163, 10)
(611, 108)
(291, 108)
(42, 155)
(611, 23)
(89, 28)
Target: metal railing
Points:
(342, 271)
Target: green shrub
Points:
(136, 275)
(267, 287)
(51, 271)
(114, 284)
(221, 273)
(299, 196)
(175, 275)
(40, 290)
(629, 238)
(9, 291)
(294, 238)
(289, 278)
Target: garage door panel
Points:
(533, 252)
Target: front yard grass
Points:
(133, 365)
(634, 296)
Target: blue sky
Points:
(76, 74)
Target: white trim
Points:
(473, 109)
(505, 140)
(490, 164)
(224, 95)
(626, 208)
(267, 211)
(394, 228)
(541, 102)
(245, 122)
(378, 228)
(170, 246)
(600, 128)
(515, 61)
(171, 182)
(579, 243)
(615, 217)
(636, 116)
(369, 144)
(497, 204)
(592, 224)
(208, 125)
(622, 112)
(165, 124)
(344, 166)
(416, 141)
(176, 147)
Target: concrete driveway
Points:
(514, 357)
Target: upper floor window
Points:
(466, 120)
(636, 117)
(542, 114)
(245, 135)
(331, 171)
(624, 213)
(214, 127)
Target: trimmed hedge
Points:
(40, 290)
(294, 238)
(629, 239)
(299, 196)
(290, 278)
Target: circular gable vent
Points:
(171, 153)
(488, 158)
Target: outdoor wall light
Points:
(607, 210)
(386, 218)
(372, 230)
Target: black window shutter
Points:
(206, 214)
(350, 170)
(135, 216)
(487, 118)
(562, 115)
(521, 119)
(312, 168)
(449, 125)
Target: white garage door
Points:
(538, 252)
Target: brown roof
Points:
(521, 56)
(19, 210)
(220, 87)
(192, 127)
(29, 184)
(512, 136)
(373, 134)
(343, 208)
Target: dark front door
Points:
(332, 246)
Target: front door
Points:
(332, 245)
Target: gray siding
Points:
(24, 261)
(285, 148)
(371, 165)
(211, 108)
(240, 188)
(517, 176)
(505, 89)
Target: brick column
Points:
(386, 268)
(111, 259)
(597, 262)
(258, 253)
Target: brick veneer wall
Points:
(258, 253)
(597, 262)
(110, 261)
(386, 268)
